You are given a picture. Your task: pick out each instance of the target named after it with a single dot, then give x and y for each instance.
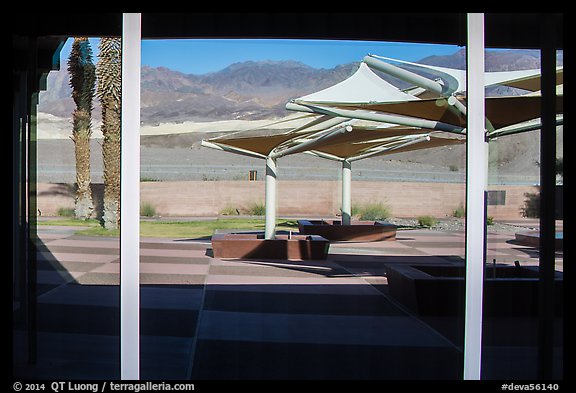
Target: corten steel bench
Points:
(361, 231)
(254, 246)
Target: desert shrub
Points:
(427, 221)
(66, 212)
(205, 177)
(256, 209)
(531, 207)
(459, 212)
(147, 209)
(229, 210)
(373, 211)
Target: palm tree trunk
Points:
(84, 205)
(109, 78)
(82, 81)
(111, 160)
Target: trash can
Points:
(252, 175)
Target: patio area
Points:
(205, 318)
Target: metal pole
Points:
(378, 116)
(346, 192)
(405, 75)
(270, 227)
(130, 201)
(309, 145)
(476, 179)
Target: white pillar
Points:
(270, 227)
(130, 201)
(346, 192)
(476, 184)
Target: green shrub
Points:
(355, 210)
(147, 210)
(459, 212)
(373, 211)
(66, 212)
(489, 220)
(427, 221)
(256, 209)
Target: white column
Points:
(270, 227)
(346, 192)
(130, 201)
(476, 182)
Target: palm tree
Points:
(82, 80)
(109, 74)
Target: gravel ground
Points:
(453, 224)
(184, 162)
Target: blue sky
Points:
(204, 56)
(201, 56)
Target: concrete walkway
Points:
(207, 318)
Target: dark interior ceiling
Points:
(505, 30)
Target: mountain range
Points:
(251, 90)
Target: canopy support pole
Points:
(346, 192)
(270, 227)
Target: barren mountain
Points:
(250, 90)
(259, 90)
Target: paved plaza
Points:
(204, 318)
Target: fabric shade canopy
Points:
(501, 111)
(363, 86)
(379, 116)
(344, 145)
(353, 151)
(522, 79)
(259, 145)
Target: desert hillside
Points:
(179, 110)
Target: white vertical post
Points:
(270, 227)
(476, 182)
(346, 192)
(130, 201)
